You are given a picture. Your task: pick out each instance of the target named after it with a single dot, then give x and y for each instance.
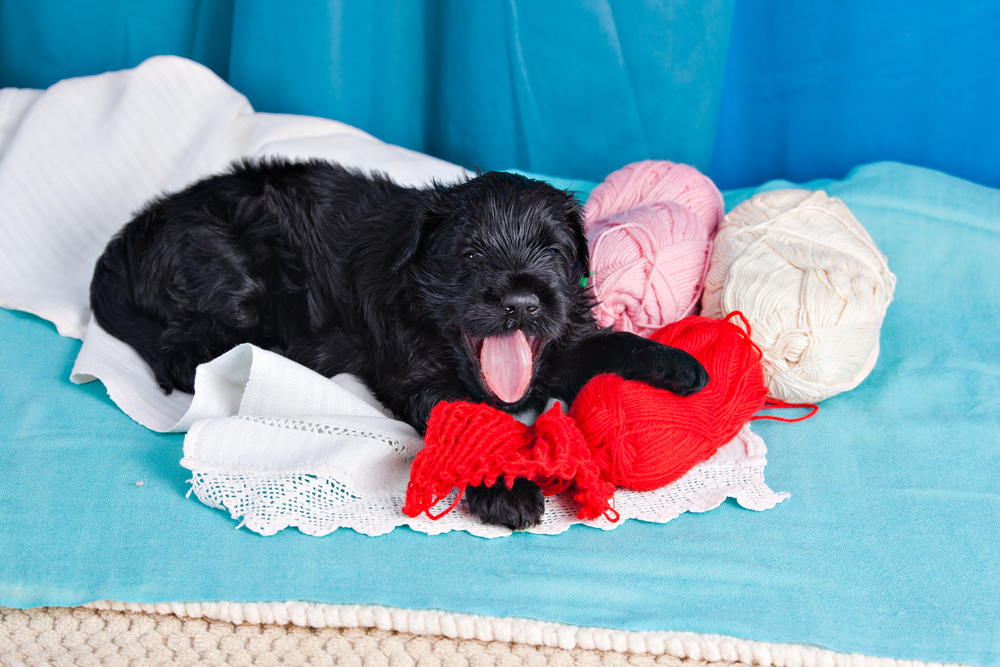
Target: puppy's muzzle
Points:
(520, 305)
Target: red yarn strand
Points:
(447, 510)
(774, 404)
(771, 403)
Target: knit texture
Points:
(60, 636)
(473, 444)
(143, 635)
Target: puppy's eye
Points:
(552, 252)
(472, 255)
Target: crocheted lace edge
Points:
(703, 488)
(683, 645)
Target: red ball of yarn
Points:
(644, 438)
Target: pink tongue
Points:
(506, 362)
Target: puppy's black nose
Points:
(520, 304)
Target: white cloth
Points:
(271, 441)
(79, 159)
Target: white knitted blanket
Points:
(114, 633)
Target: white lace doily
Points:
(278, 445)
(317, 504)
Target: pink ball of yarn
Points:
(649, 265)
(650, 227)
(652, 181)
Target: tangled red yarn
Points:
(472, 444)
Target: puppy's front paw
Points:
(518, 508)
(667, 368)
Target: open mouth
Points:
(506, 363)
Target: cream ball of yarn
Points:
(813, 285)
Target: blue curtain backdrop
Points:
(746, 90)
(813, 88)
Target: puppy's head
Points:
(498, 262)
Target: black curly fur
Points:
(346, 272)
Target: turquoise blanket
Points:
(888, 545)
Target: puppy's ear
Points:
(429, 215)
(574, 220)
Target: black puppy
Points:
(472, 291)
